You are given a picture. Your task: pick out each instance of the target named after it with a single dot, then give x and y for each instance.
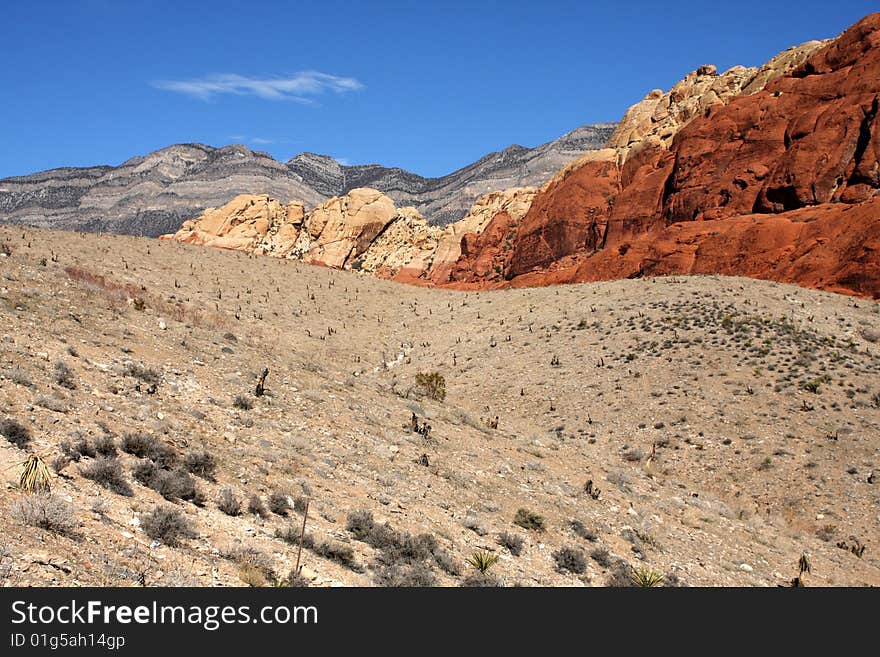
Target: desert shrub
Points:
(107, 472)
(60, 462)
(256, 506)
(138, 444)
(827, 532)
(583, 531)
(6, 564)
(168, 525)
(602, 556)
(295, 580)
(278, 503)
(64, 375)
(248, 556)
(445, 561)
(229, 503)
(512, 542)
(77, 448)
(334, 551)
(291, 534)
(175, 484)
(529, 520)
(338, 552)
(105, 445)
(20, 376)
(201, 463)
(146, 446)
(483, 580)
(432, 385)
(251, 576)
(145, 374)
(145, 471)
(403, 574)
(360, 524)
(476, 525)
(403, 556)
(242, 403)
(15, 432)
(633, 455)
(621, 574)
(45, 511)
(570, 559)
(300, 503)
(51, 402)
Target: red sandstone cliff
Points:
(779, 182)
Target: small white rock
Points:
(162, 324)
(746, 567)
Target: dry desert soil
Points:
(729, 425)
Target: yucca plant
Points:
(34, 476)
(646, 577)
(483, 560)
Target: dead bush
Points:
(46, 511)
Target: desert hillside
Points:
(707, 429)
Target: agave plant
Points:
(483, 560)
(646, 577)
(34, 476)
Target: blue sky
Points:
(426, 86)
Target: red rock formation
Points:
(779, 184)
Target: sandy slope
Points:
(711, 370)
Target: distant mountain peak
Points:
(154, 193)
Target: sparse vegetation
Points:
(64, 375)
(146, 374)
(107, 472)
(645, 577)
(145, 446)
(46, 511)
(529, 520)
(431, 385)
(168, 525)
(15, 432)
(602, 556)
(404, 557)
(201, 463)
(229, 503)
(512, 542)
(35, 477)
(483, 560)
(480, 579)
(256, 506)
(256, 565)
(242, 403)
(279, 503)
(105, 445)
(583, 531)
(570, 559)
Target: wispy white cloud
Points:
(301, 87)
(259, 141)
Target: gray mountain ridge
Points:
(153, 194)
